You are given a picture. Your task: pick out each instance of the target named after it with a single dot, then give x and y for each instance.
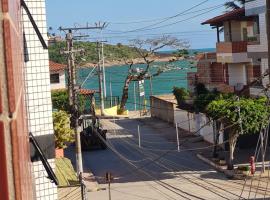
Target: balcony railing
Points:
(232, 47)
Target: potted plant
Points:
(62, 132)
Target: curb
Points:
(228, 173)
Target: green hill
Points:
(111, 52)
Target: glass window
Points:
(54, 78)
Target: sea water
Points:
(116, 75)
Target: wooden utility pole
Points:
(73, 101)
(100, 81)
(73, 90)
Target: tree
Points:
(253, 116)
(181, 94)
(232, 5)
(147, 50)
(60, 101)
(62, 132)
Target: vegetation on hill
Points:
(111, 52)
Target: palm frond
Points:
(231, 5)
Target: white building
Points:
(57, 76)
(38, 96)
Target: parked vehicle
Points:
(93, 136)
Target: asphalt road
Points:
(157, 171)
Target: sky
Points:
(128, 19)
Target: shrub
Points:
(60, 100)
(200, 89)
(181, 94)
(62, 132)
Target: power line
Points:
(179, 14)
(177, 22)
(158, 19)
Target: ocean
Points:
(115, 77)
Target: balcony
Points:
(232, 52)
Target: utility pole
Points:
(73, 89)
(109, 179)
(103, 68)
(100, 81)
(73, 97)
(101, 56)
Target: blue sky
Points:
(80, 12)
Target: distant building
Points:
(54, 39)
(57, 75)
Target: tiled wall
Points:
(15, 165)
(38, 96)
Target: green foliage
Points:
(201, 89)
(181, 53)
(62, 132)
(254, 113)
(111, 52)
(60, 100)
(202, 101)
(181, 94)
(54, 53)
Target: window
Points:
(54, 78)
(256, 26)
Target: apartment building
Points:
(25, 103)
(258, 50)
(231, 66)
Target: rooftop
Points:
(237, 14)
(55, 67)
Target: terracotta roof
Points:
(87, 91)
(56, 66)
(232, 15)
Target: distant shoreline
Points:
(158, 58)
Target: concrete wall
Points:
(194, 122)
(191, 122)
(237, 74)
(62, 81)
(162, 109)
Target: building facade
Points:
(57, 76)
(258, 51)
(38, 96)
(25, 103)
(15, 165)
(232, 67)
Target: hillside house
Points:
(57, 76)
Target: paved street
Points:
(152, 171)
